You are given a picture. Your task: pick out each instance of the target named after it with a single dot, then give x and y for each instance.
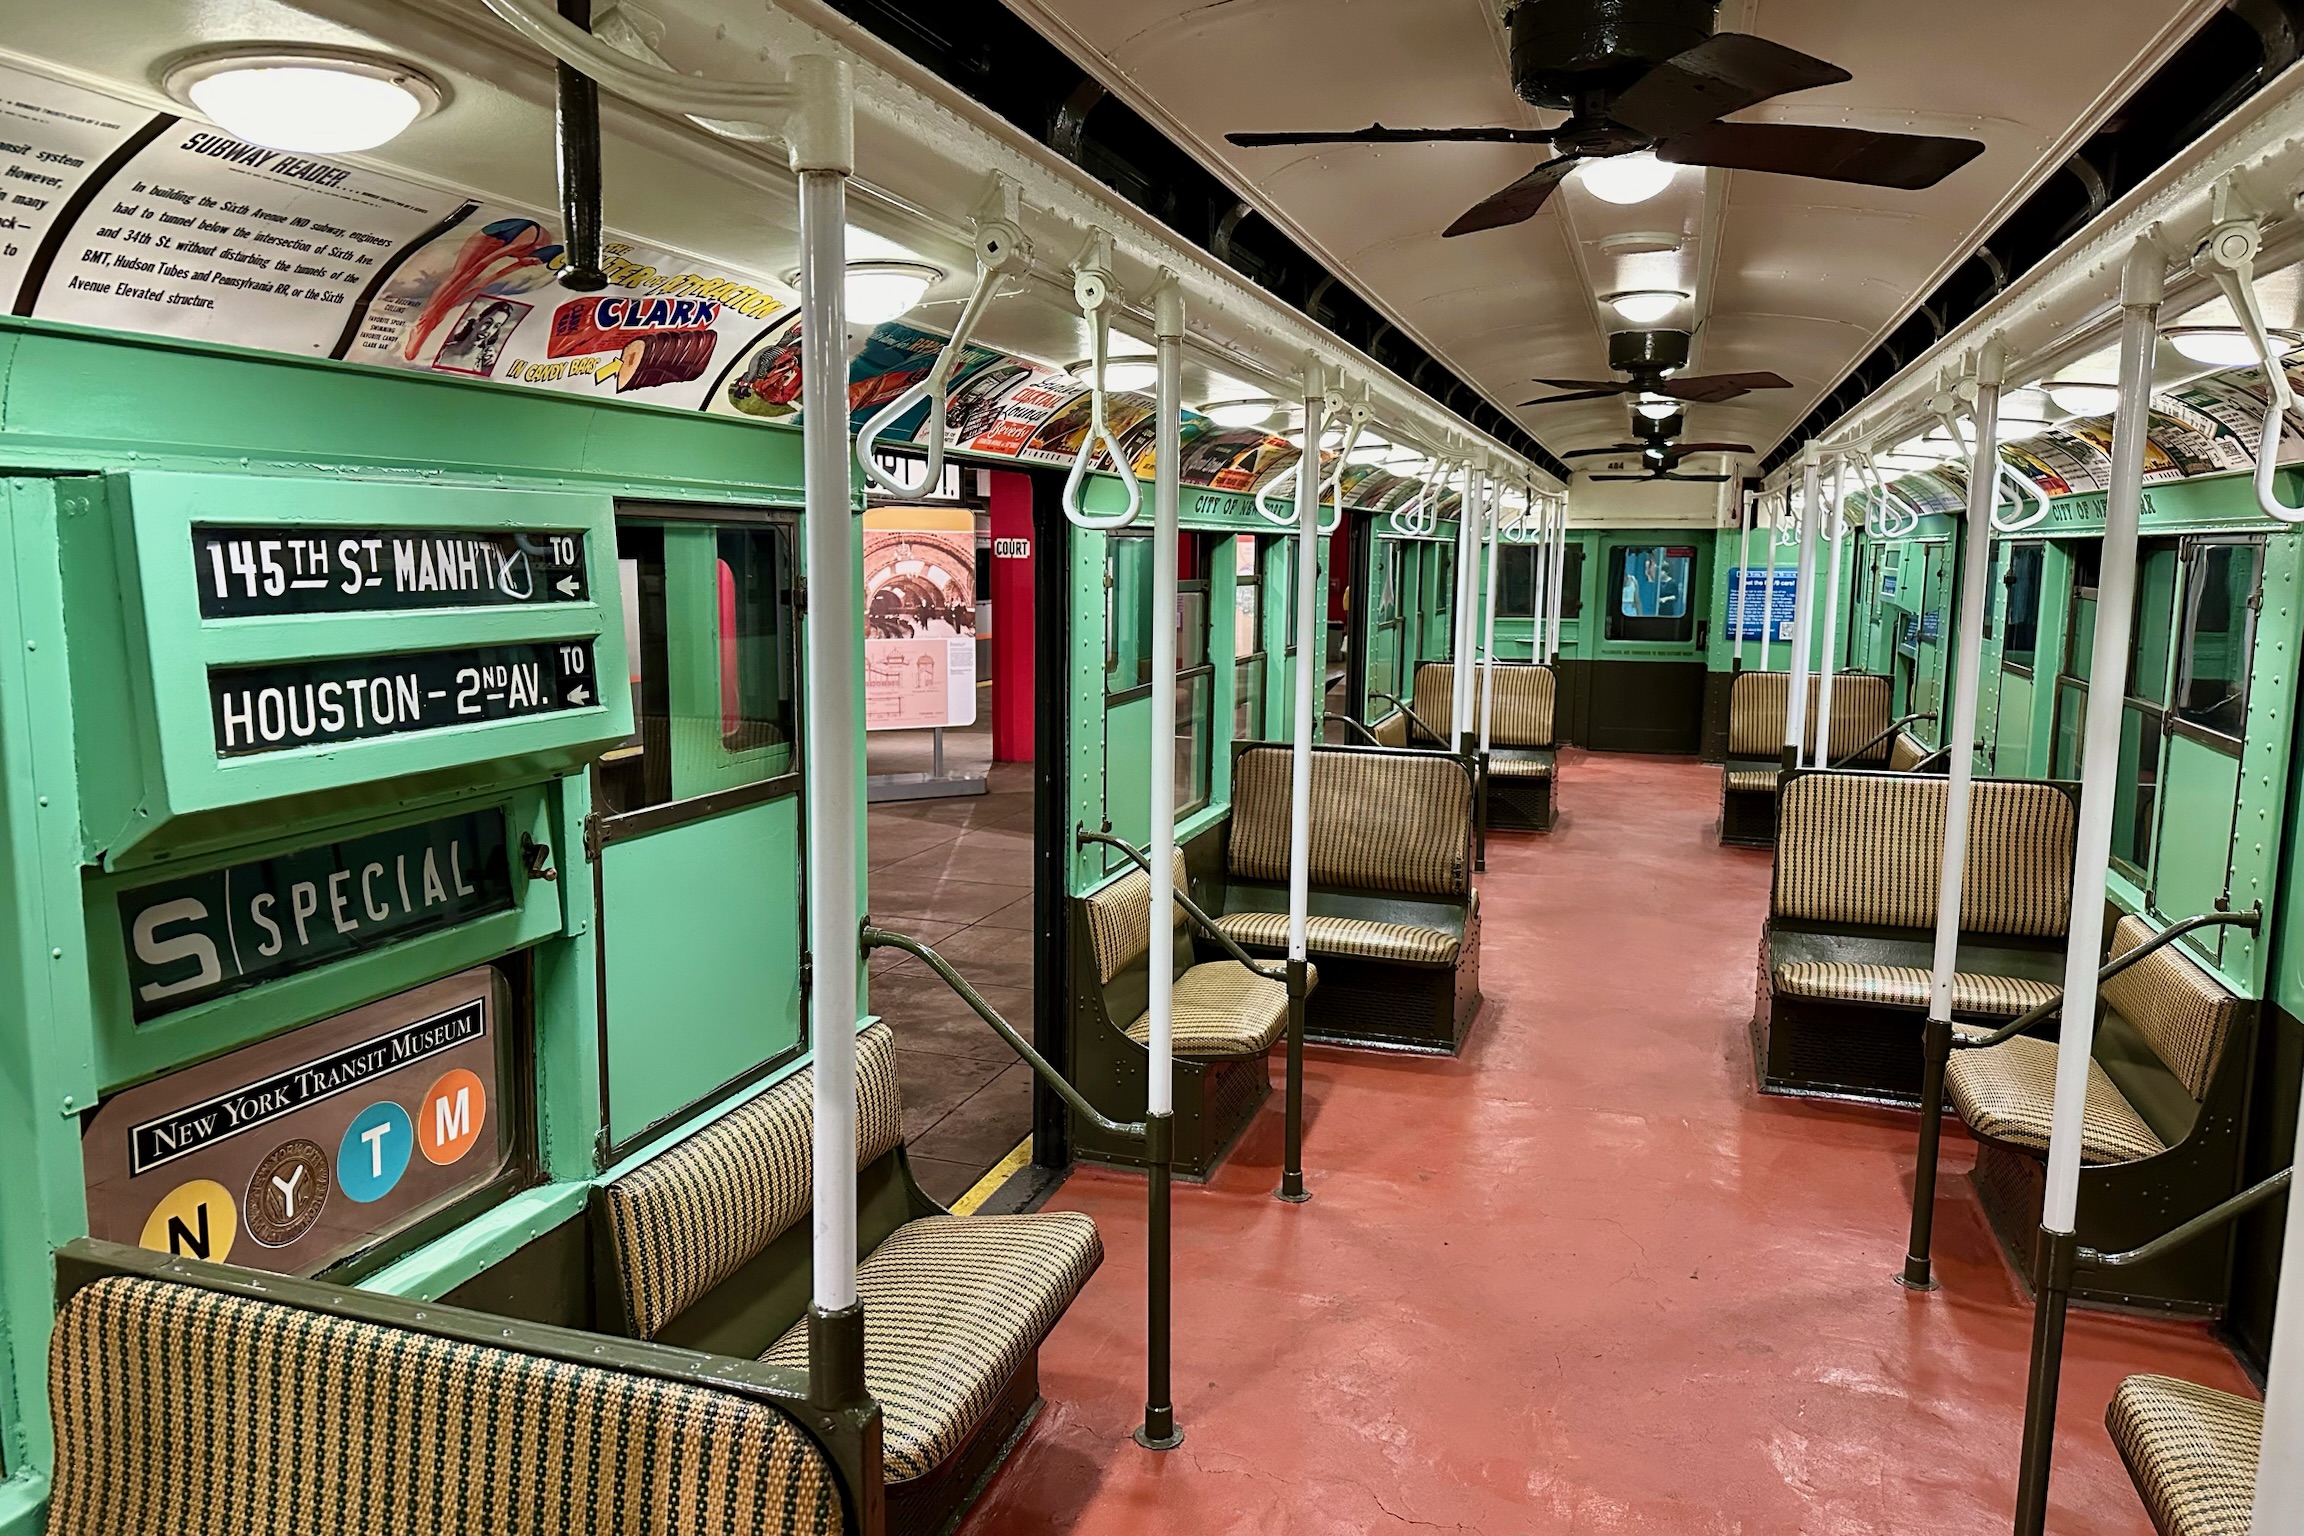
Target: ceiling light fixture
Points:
(2221, 346)
(2083, 399)
(882, 290)
(314, 101)
(1657, 407)
(1625, 179)
(1126, 374)
(1240, 413)
(1645, 306)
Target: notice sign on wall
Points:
(291, 1153)
(1758, 610)
(919, 618)
(280, 705)
(205, 935)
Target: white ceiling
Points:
(1800, 277)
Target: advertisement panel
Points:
(919, 618)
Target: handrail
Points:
(2199, 1226)
(2232, 246)
(875, 937)
(1192, 909)
(2041, 1013)
(1000, 244)
(2026, 489)
(1092, 288)
(1357, 417)
(1366, 734)
(1893, 727)
(1414, 718)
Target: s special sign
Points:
(289, 1154)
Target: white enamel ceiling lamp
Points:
(301, 98)
(2223, 346)
(1645, 306)
(1625, 179)
(879, 291)
(2081, 398)
(1236, 414)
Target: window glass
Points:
(1248, 700)
(2022, 583)
(1127, 611)
(1572, 583)
(2136, 789)
(757, 675)
(2153, 631)
(639, 771)
(1193, 697)
(1516, 581)
(1247, 599)
(1649, 587)
(2219, 636)
(1191, 624)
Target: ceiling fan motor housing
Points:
(1648, 354)
(1565, 51)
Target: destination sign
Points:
(206, 935)
(279, 705)
(247, 572)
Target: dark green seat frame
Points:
(1216, 1098)
(1828, 1048)
(1388, 1005)
(848, 1438)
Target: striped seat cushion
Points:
(1222, 1008)
(194, 1413)
(1523, 701)
(690, 1217)
(1910, 986)
(2192, 1452)
(2179, 1010)
(1120, 919)
(2008, 1094)
(1752, 781)
(952, 1306)
(1354, 937)
(1866, 849)
(1520, 767)
(1756, 724)
(1381, 821)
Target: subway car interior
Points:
(1506, 766)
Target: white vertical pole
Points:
(1803, 608)
(835, 640)
(1540, 578)
(2280, 1466)
(1830, 638)
(1168, 337)
(1308, 618)
(1559, 593)
(1467, 589)
(1975, 566)
(1768, 592)
(1736, 598)
(1488, 640)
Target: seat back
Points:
(1907, 752)
(2181, 1011)
(1860, 705)
(1382, 821)
(1120, 921)
(690, 1217)
(1392, 730)
(1523, 701)
(1865, 850)
(197, 1411)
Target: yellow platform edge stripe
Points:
(984, 1188)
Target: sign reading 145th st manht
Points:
(281, 568)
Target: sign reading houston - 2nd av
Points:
(279, 705)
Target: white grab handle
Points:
(997, 242)
(1284, 517)
(1092, 286)
(2026, 490)
(2232, 245)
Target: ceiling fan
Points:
(1652, 75)
(1659, 460)
(1650, 357)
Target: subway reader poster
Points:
(919, 618)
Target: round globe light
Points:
(1657, 410)
(881, 290)
(1646, 306)
(1236, 414)
(2219, 346)
(2081, 399)
(1625, 179)
(316, 101)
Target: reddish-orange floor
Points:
(1582, 1279)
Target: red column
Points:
(1012, 616)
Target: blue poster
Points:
(1750, 602)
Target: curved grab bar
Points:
(1192, 909)
(1898, 516)
(1092, 287)
(2253, 920)
(1414, 718)
(1418, 517)
(998, 244)
(2233, 246)
(2026, 489)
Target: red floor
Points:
(1582, 1279)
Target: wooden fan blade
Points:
(1587, 453)
(1718, 388)
(1588, 394)
(1377, 133)
(1697, 479)
(1516, 204)
(1908, 161)
(1725, 73)
(1715, 448)
(1624, 477)
(1601, 386)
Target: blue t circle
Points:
(375, 1152)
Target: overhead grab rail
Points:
(2232, 249)
(1000, 248)
(1192, 909)
(1092, 288)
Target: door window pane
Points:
(1127, 612)
(2136, 789)
(2022, 641)
(1247, 599)
(2154, 631)
(1193, 696)
(1516, 581)
(1248, 700)
(2219, 637)
(1572, 583)
(1649, 584)
(758, 678)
